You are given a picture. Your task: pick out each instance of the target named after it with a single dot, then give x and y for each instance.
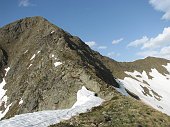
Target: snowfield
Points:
(153, 91)
(85, 101)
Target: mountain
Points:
(47, 67)
(147, 78)
(43, 67)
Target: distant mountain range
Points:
(42, 68)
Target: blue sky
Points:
(124, 30)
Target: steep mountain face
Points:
(42, 67)
(47, 67)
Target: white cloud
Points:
(91, 43)
(113, 54)
(102, 47)
(117, 41)
(155, 42)
(158, 46)
(164, 52)
(147, 53)
(94, 45)
(161, 39)
(163, 6)
(138, 42)
(25, 3)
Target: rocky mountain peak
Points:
(47, 67)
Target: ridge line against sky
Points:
(123, 30)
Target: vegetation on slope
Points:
(120, 111)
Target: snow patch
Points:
(21, 101)
(26, 51)
(2, 84)
(52, 55)
(38, 52)
(2, 114)
(2, 91)
(35, 55)
(84, 96)
(47, 118)
(29, 66)
(52, 31)
(154, 92)
(57, 64)
(121, 88)
(32, 57)
(3, 97)
(7, 69)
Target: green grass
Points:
(119, 112)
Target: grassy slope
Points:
(119, 112)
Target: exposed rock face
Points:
(48, 66)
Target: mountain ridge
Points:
(48, 66)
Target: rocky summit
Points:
(42, 67)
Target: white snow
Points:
(32, 57)
(2, 84)
(121, 88)
(26, 51)
(52, 31)
(57, 64)
(159, 84)
(38, 52)
(2, 91)
(7, 69)
(3, 97)
(85, 101)
(21, 101)
(2, 114)
(29, 66)
(84, 96)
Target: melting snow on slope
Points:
(34, 55)
(21, 101)
(121, 88)
(85, 101)
(26, 51)
(155, 91)
(57, 64)
(3, 97)
(29, 66)
(2, 114)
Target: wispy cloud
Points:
(91, 43)
(163, 6)
(158, 46)
(164, 52)
(94, 45)
(102, 47)
(113, 54)
(117, 41)
(138, 42)
(25, 3)
(155, 42)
